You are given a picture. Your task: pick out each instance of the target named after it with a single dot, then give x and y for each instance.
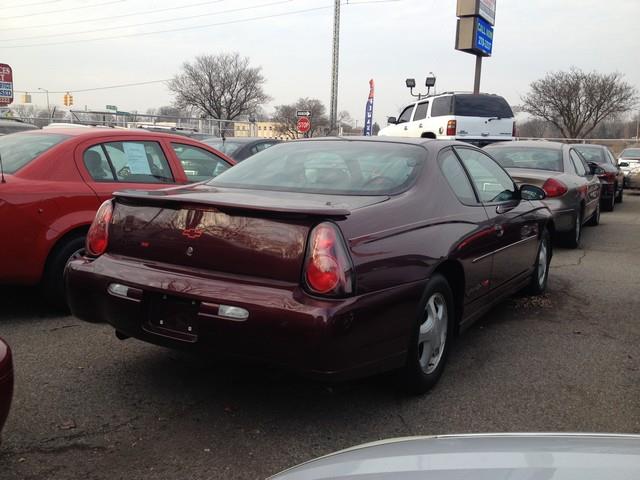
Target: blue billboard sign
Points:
(483, 38)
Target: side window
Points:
(97, 164)
(139, 162)
(577, 163)
(441, 106)
(456, 176)
(492, 183)
(198, 163)
(421, 111)
(405, 116)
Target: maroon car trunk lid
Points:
(255, 233)
(532, 176)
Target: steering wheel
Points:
(380, 181)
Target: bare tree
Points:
(576, 102)
(222, 86)
(285, 117)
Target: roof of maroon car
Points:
(93, 132)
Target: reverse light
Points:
(554, 188)
(98, 235)
(451, 128)
(327, 267)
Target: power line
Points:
(30, 4)
(181, 29)
(100, 88)
(111, 17)
(150, 23)
(64, 9)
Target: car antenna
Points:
(2, 180)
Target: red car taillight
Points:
(98, 235)
(514, 131)
(554, 188)
(327, 267)
(610, 177)
(451, 128)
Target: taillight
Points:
(610, 177)
(327, 267)
(98, 235)
(514, 132)
(451, 128)
(554, 188)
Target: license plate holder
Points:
(173, 317)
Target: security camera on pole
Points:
(474, 33)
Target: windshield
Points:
(331, 167)
(527, 157)
(17, 150)
(630, 153)
(592, 154)
(227, 147)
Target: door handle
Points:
(499, 230)
(406, 128)
(420, 126)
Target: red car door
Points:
(116, 163)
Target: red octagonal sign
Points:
(304, 124)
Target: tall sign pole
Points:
(474, 32)
(333, 110)
(368, 114)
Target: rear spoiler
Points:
(261, 204)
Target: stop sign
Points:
(304, 124)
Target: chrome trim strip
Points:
(504, 248)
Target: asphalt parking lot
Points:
(89, 406)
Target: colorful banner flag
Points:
(368, 115)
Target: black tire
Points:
(539, 279)
(572, 238)
(595, 218)
(609, 204)
(53, 287)
(620, 196)
(416, 378)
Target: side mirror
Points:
(392, 120)
(595, 169)
(623, 164)
(531, 192)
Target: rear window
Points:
(592, 154)
(481, 106)
(226, 147)
(329, 167)
(527, 157)
(631, 152)
(17, 150)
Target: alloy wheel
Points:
(432, 335)
(542, 263)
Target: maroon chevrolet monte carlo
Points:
(337, 257)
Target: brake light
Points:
(610, 177)
(98, 235)
(554, 188)
(327, 267)
(451, 128)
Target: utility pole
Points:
(333, 110)
(48, 107)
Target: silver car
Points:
(481, 457)
(629, 163)
(573, 188)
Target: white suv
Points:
(479, 119)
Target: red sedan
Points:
(55, 180)
(6, 381)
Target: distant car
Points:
(478, 119)
(57, 178)
(240, 148)
(612, 177)
(573, 191)
(629, 161)
(6, 382)
(10, 125)
(491, 456)
(336, 257)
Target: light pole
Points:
(333, 107)
(429, 83)
(48, 108)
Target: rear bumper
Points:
(564, 217)
(336, 339)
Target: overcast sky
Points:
(387, 41)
